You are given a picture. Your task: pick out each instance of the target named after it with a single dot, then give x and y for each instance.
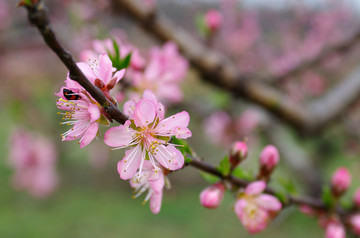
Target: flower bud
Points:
(335, 230)
(269, 158)
(212, 196)
(340, 182)
(238, 153)
(213, 20)
(357, 198)
(355, 223)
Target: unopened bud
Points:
(335, 230)
(269, 157)
(213, 20)
(238, 153)
(212, 196)
(355, 224)
(357, 198)
(340, 182)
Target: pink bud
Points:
(335, 230)
(357, 197)
(269, 157)
(307, 210)
(341, 180)
(212, 196)
(213, 20)
(238, 152)
(355, 223)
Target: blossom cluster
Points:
(147, 133)
(253, 207)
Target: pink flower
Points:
(100, 73)
(341, 181)
(83, 113)
(213, 20)
(151, 180)
(33, 159)
(254, 209)
(335, 230)
(217, 127)
(148, 134)
(212, 196)
(355, 223)
(357, 197)
(166, 69)
(269, 157)
(4, 15)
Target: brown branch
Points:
(341, 48)
(215, 68)
(37, 14)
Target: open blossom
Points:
(212, 196)
(255, 209)
(147, 134)
(83, 114)
(151, 180)
(82, 111)
(166, 69)
(33, 159)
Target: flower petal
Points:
(144, 113)
(129, 108)
(169, 157)
(155, 202)
(158, 184)
(174, 122)
(268, 202)
(94, 112)
(119, 75)
(87, 71)
(90, 134)
(118, 135)
(105, 69)
(130, 163)
(255, 188)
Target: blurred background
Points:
(80, 193)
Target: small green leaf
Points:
(243, 174)
(201, 25)
(184, 147)
(224, 166)
(209, 177)
(327, 197)
(288, 185)
(281, 196)
(126, 61)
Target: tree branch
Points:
(37, 14)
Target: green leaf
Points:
(209, 177)
(126, 61)
(327, 197)
(224, 166)
(201, 25)
(184, 149)
(281, 196)
(288, 185)
(242, 174)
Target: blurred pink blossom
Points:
(335, 229)
(255, 209)
(269, 157)
(238, 153)
(217, 127)
(4, 14)
(355, 223)
(314, 83)
(34, 159)
(213, 20)
(341, 180)
(212, 196)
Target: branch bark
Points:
(37, 14)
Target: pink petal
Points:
(155, 202)
(129, 108)
(268, 202)
(130, 163)
(174, 122)
(169, 157)
(255, 188)
(89, 135)
(87, 71)
(105, 69)
(94, 112)
(239, 208)
(119, 75)
(144, 113)
(158, 184)
(119, 135)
